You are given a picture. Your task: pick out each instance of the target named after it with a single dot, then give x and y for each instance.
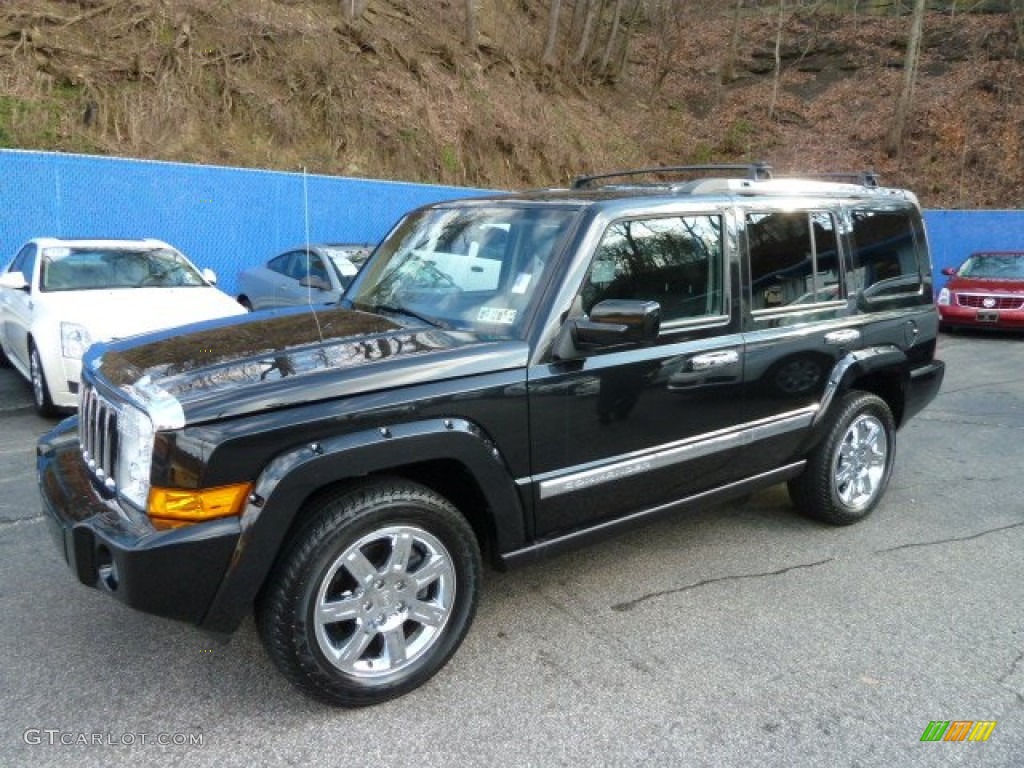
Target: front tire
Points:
(40, 389)
(373, 594)
(848, 471)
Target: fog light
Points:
(106, 568)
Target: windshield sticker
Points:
(496, 315)
(522, 282)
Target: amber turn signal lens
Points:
(172, 507)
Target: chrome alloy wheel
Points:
(384, 602)
(859, 466)
(35, 366)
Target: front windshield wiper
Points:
(431, 321)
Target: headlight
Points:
(135, 453)
(944, 297)
(74, 340)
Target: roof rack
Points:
(864, 178)
(752, 171)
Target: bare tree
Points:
(894, 138)
(471, 30)
(587, 35)
(613, 33)
(353, 9)
(548, 58)
(729, 67)
(778, 58)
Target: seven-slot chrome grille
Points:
(989, 301)
(97, 433)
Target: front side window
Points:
(674, 260)
(887, 256)
(474, 268)
(84, 269)
(794, 259)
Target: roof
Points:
(126, 243)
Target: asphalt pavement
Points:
(741, 635)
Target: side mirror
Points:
(618, 321)
(313, 281)
(949, 271)
(210, 276)
(13, 280)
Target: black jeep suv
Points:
(509, 376)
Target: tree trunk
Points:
(593, 6)
(894, 138)
(548, 59)
(778, 59)
(729, 67)
(612, 34)
(471, 34)
(353, 9)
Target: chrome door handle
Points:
(843, 337)
(715, 360)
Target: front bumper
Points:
(954, 314)
(173, 573)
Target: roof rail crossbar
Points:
(753, 171)
(864, 178)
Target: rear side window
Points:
(793, 259)
(888, 253)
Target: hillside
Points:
(397, 94)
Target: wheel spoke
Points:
(427, 613)
(845, 474)
(362, 570)
(394, 643)
(337, 610)
(400, 551)
(431, 571)
(350, 652)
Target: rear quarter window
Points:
(889, 255)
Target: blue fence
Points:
(223, 218)
(231, 218)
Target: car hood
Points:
(118, 313)
(986, 285)
(288, 357)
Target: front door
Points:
(623, 430)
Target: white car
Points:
(59, 296)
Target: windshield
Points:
(994, 266)
(88, 269)
(346, 262)
(471, 268)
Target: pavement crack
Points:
(631, 604)
(951, 540)
(1008, 674)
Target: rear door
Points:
(627, 429)
(799, 323)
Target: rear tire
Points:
(372, 595)
(848, 471)
(40, 389)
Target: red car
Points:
(986, 291)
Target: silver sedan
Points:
(317, 274)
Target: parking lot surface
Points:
(738, 635)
